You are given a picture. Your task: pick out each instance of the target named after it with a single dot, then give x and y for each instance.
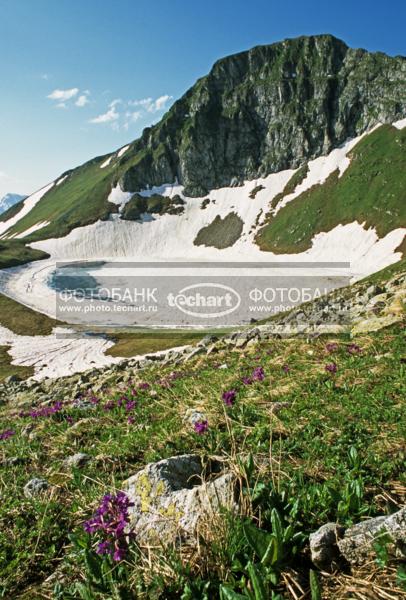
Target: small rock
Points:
(278, 406)
(193, 416)
(78, 460)
(171, 497)
(12, 461)
(35, 487)
(358, 540)
(323, 545)
(208, 340)
(12, 379)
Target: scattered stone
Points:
(12, 379)
(193, 416)
(208, 340)
(35, 487)
(358, 540)
(78, 460)
(13, 461)
(332, 544)
(83, 404)
(195, 352)
(278, 406)
(172, 498)
(323, 545)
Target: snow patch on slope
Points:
(107, 162)
(56, 355)
(400, 124)
(30, 230)
(321, 168)
(122, 151)
(169, 236)
(28, 205)
(118, 197)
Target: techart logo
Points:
(205, 300)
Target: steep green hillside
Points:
(371, 190)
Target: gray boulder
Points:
(173, 499)
(323, 545)
(359, 540)
(331, 543)
(35, 487)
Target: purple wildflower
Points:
(229, 397)
(173, 375)
(258, 374)
(119, 553)
(110, 521)
(331, 368)
(201, 427)
(7, 434)
(131, 420)
(109, 405)
(353, 349)
(285, 368)
(247, 380)
(130, 404)
(46, 411)
(143, 385)
(104, 548)
(332, 347)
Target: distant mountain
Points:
(9, 200)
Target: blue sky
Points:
(80, 78)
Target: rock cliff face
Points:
(267, 109)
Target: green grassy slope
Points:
(7, 369)
(79, 200)
(14, 253)
(371, 190)
(335, 452)
(23, 320)
(12, 211)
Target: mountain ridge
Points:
(259, 118)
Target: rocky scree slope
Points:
(367, 306)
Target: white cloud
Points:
(115, 102)
(63, 95)
(151, 105)
(131, 117)
(120, 114)
(108, 117)
(61, 105)
(160, 103)
(83, 99)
